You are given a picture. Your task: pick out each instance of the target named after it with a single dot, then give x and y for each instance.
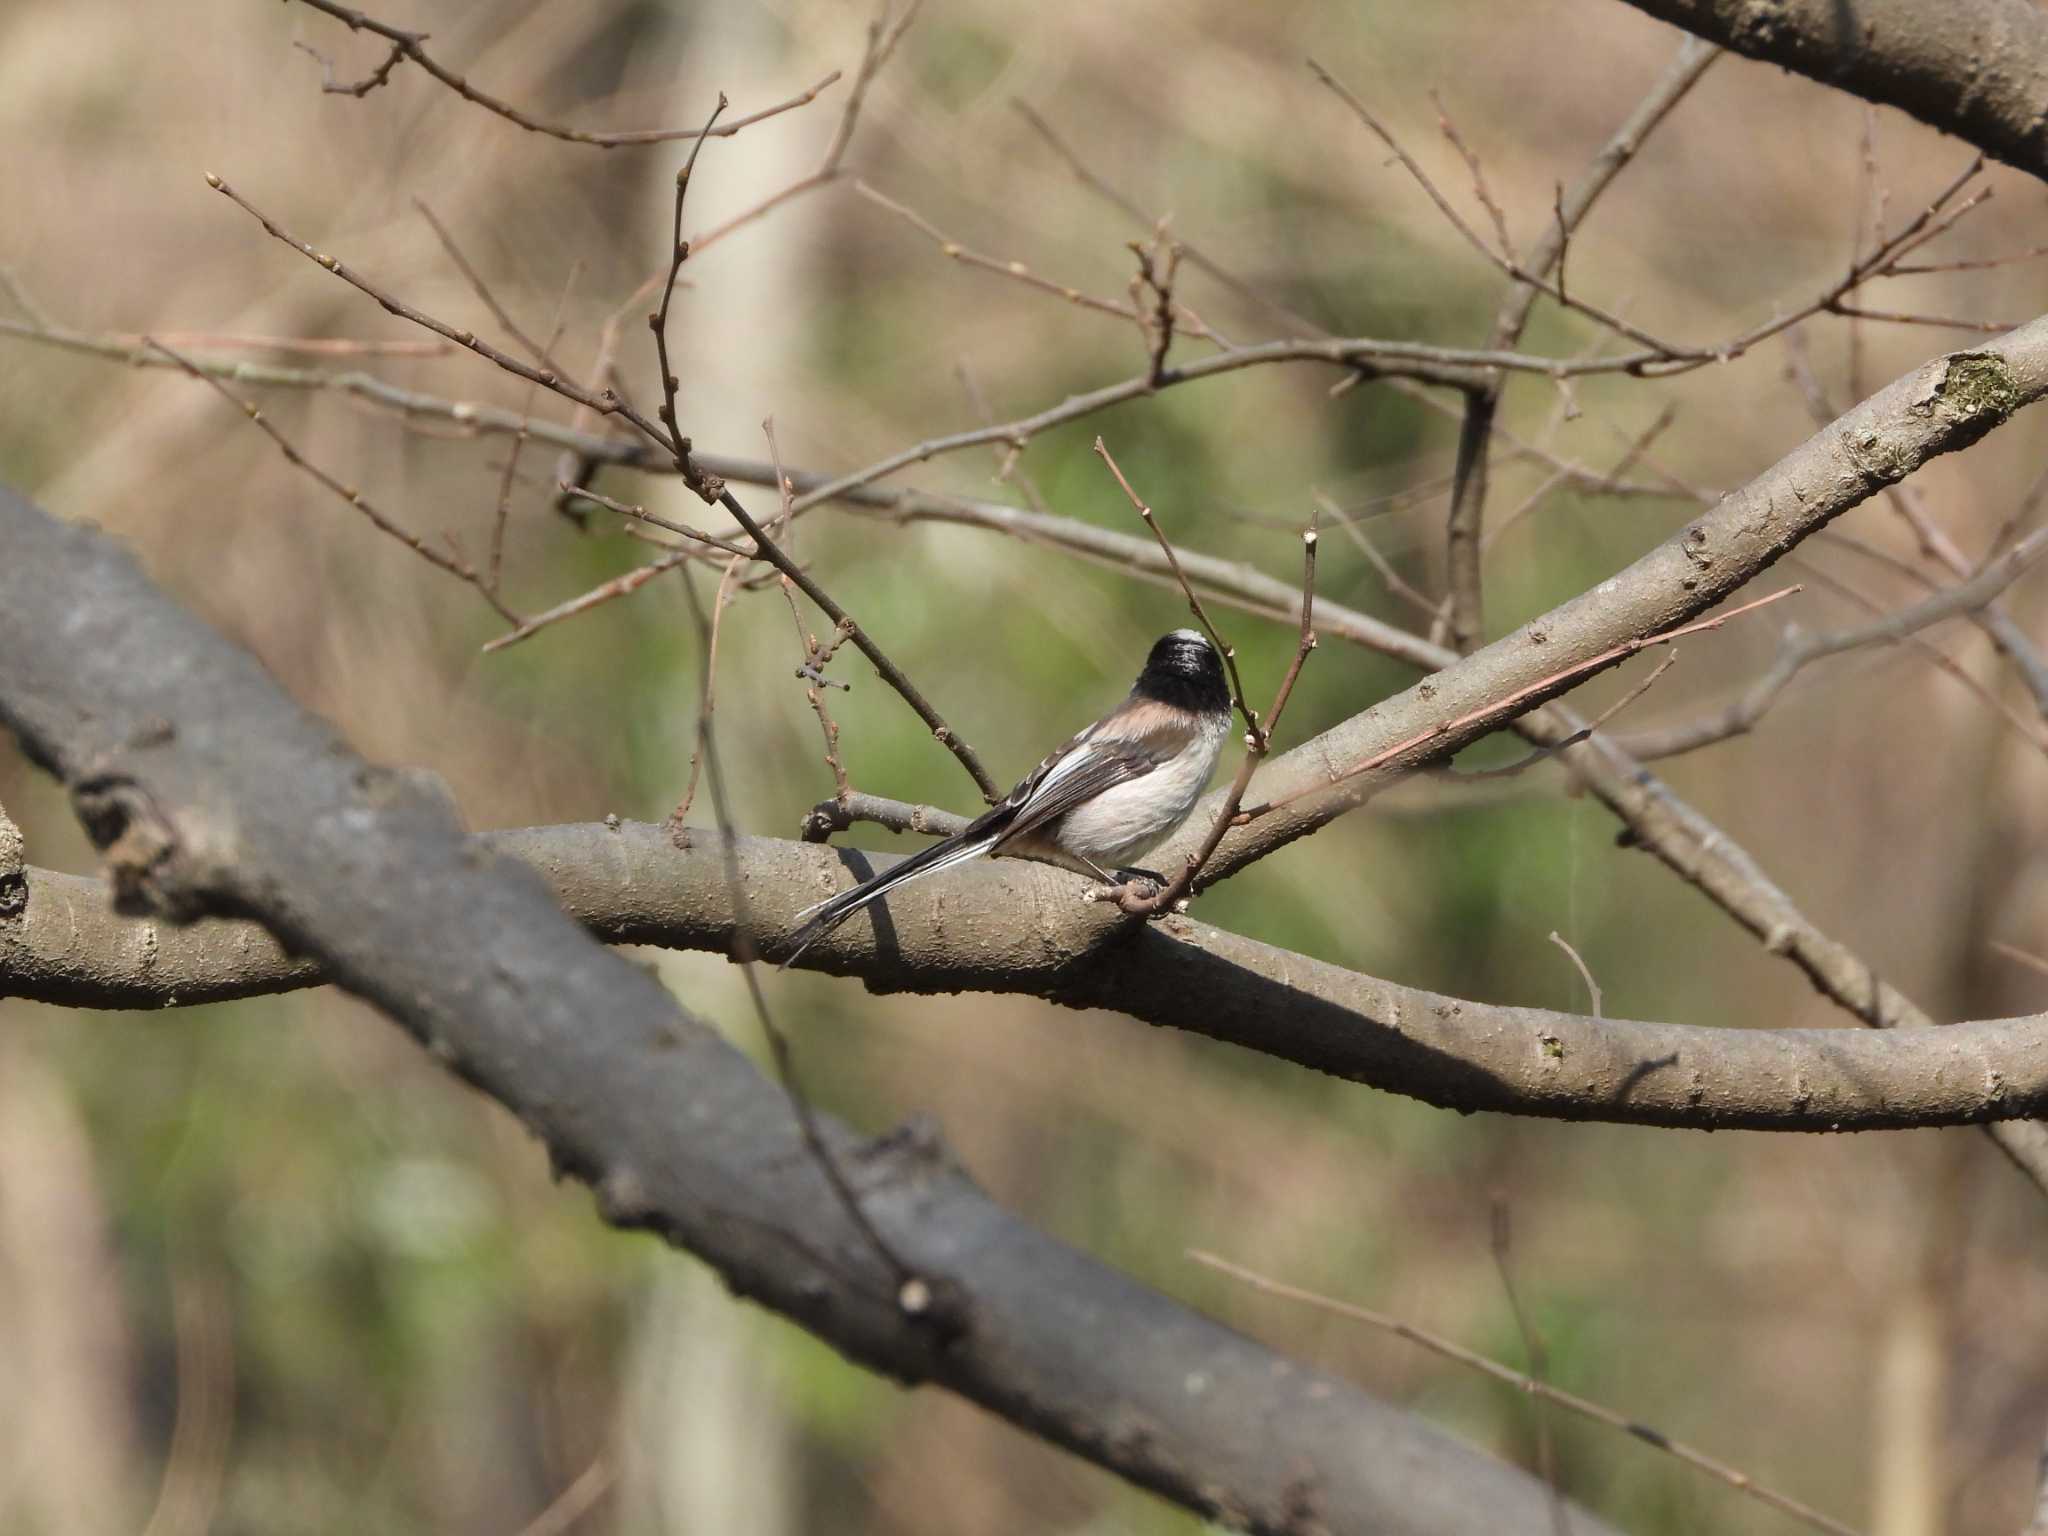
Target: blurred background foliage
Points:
(265, 1268)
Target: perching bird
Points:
(1116, 789)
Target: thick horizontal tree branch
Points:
(1022, 929)
(1975, 68)
(213, 794)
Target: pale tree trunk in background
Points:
(67, 1445)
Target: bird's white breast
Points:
(1126, 819)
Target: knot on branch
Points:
(1970, 391)
(141, 847)
(13, 870)
(822, 820)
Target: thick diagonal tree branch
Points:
(1938, 408)
(1975, 68)
(213, 794)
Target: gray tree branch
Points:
(1975, 68)
(213, 794)
(1019, 928)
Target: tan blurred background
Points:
(265, 1268)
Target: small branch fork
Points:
(407, 47)
(1142, 898)
(1158, 264)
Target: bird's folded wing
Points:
(1088, 765)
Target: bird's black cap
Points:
(1184, 670)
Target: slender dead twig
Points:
(575, 1501)
(916, 1296)
(407, 47)
(710, 487)
(1480, 189)
(1505, 706)
(606, 403)
(1465, 540)
(1699, 1461)
(881, 42)
(641, 514)
(619, 586)
(453, 564)
(713, 489)
(1017, 271)
(679, 252)
(836, 815)
(882, 38)
(1800, 651)
(1141, 898)
(1502, 1239)
(817, 654)
(504, 507)
(539, 353)
(1009, 466)
(892, 674)
(1544, 754)
(1157, 265)
(2013, 952)
(1518, 271)
(1585, 972)
(1223, 647)
(707, 692)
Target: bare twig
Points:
(679, 252)
(1015, 270)
(1502, 1240)
(1598, 722)
(915, 1295)
(407, 46)
(1223, 647)
(836, 815)
(575, 1501)
(1142, 898)
(817, 654)
(1801, 651)
(707, 486)
(882, 38)
(1157, 265)
(607, 403)
(1465, 539)
(1514, 269)
(641, 514)
(1480, 189)
(2028, 958)
(1505, 707)
(1699, 1461)
(1585, 974)
(454, 565)
(619, 586)
(539, 353)
(707, 693)
(504, 507)
(890, 673)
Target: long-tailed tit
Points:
(1116, 789)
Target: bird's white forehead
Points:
(1194, 635)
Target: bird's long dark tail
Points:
(957, 849)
